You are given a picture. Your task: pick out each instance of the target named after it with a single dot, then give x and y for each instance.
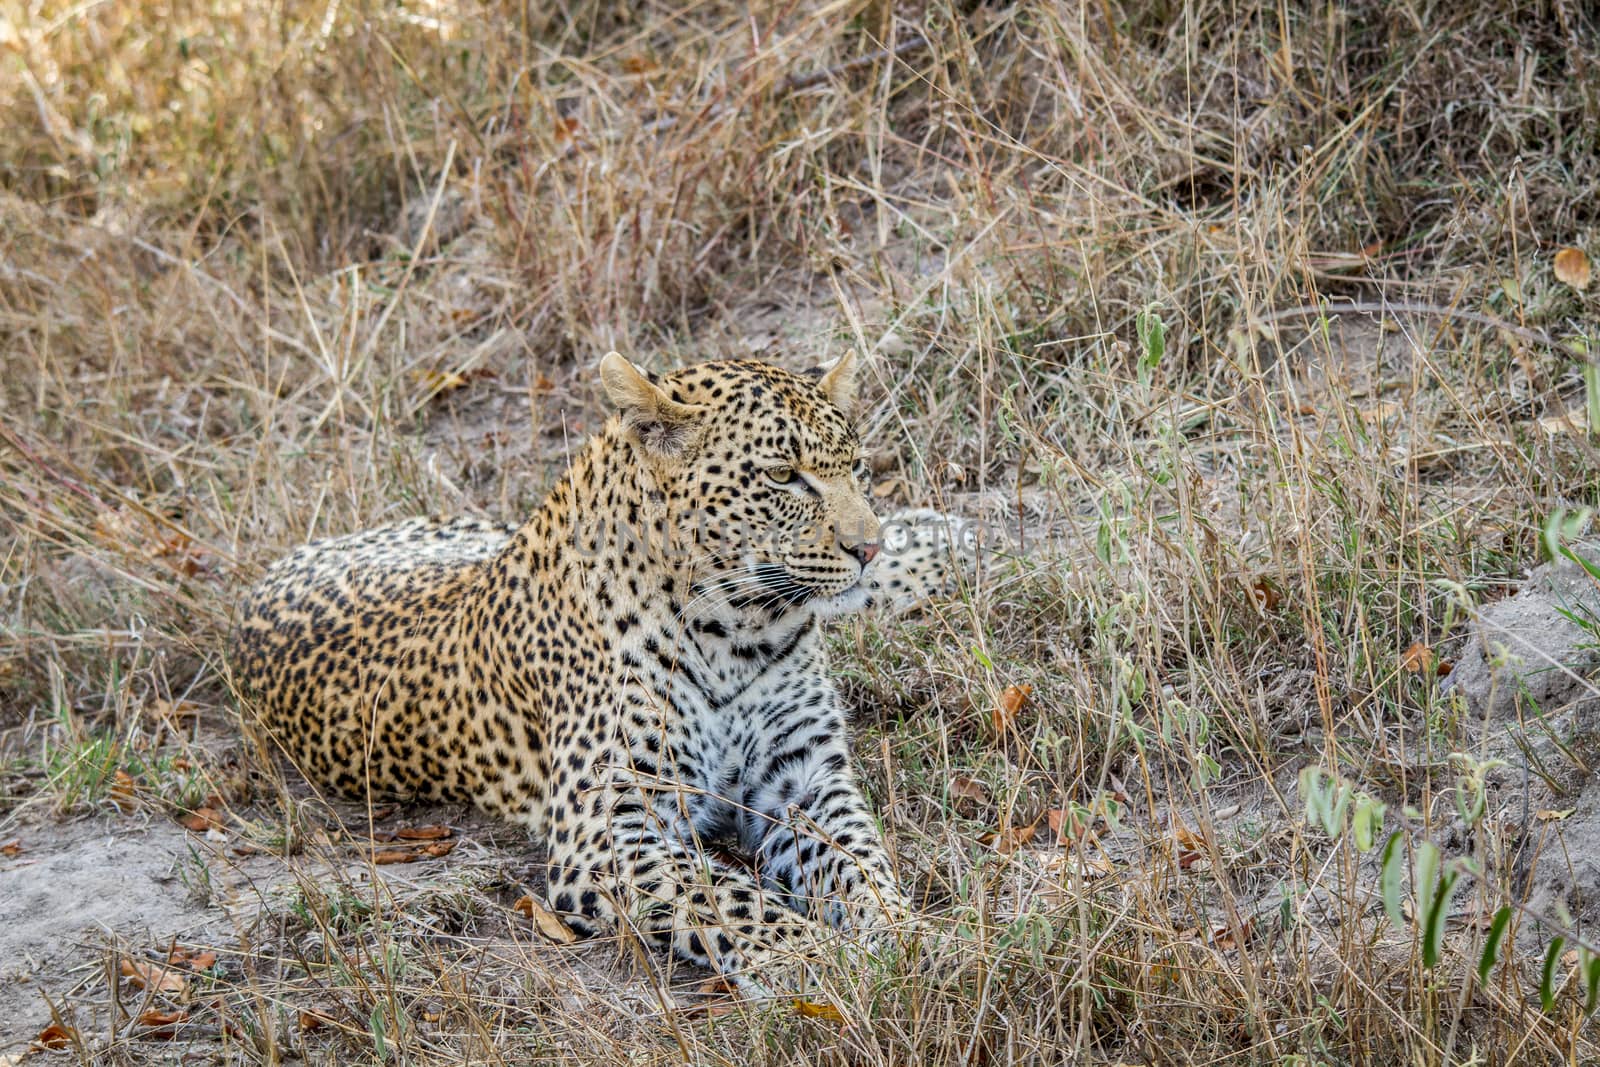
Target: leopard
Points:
(637, 674)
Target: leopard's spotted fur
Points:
(625, 684)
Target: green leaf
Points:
(1152, 337)
(1314, 792)
(1342, 795)
(1433, 926)
(1394, 855)
(1547, 978)
(1425, 879)
(379, 1045)
(1491, 944)
(1589, 965)
(1368, 821)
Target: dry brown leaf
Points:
(1574, 422)
(386, 856)
(1008, 839)
(411, 853)
(1572, 268)
(311, 1019)
(194, 959)
(11, 848)
(1066, 824)
(201, 820)
(1223, 937)
(1090, 866)
(1552, 815)
(153, 976)
(812, 1010)
(175, 714)
(721, 999)
(122, 792)
(55, 1036)
(1012, 700)
(1417, 659)
(546, 922)
(964, 788)
(438, 383)
(423, 833)
(162, 1024)
(1188, 840)
(1264, 595)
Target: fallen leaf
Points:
(545, 921)
(1189, 840)
(1012, 700)
(55, 1036)
(1417, 659)
(1552, 815)
(964, 788)
(153, 977)
(812, 1010)
(311, 1019)
(721, 999)
(411, 853)
(1572, 268)
(1008, 839)
(1066, 824)
(1223, 936)
(1264, 595)
(11, 848)
(1575, 422)
(437, 382)
(122, 792)
(1090, 866)
(201, 820)
(176, 714)
(1383, 411)
(194, 959)
(422, 833)
(162, 1024)
(541, 384)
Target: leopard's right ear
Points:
(662, 424)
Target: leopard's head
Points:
(761, 479)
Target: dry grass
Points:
(271, 271)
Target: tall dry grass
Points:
(269, 272)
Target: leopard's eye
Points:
(781, 475)
(863, 470)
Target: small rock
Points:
(1527, 645)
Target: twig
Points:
(795, 82)
(1368, 307)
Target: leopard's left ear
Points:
(840, 382)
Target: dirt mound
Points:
(1530, 675)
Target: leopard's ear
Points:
(840, 382)
(662, 424)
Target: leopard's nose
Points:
(865, 552)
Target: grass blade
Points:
(1547, 977)
(1491, 944)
